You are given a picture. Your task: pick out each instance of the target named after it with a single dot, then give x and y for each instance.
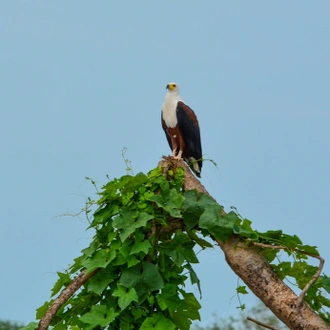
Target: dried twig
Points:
(314, 277)
(261, 323)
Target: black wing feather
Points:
(188, 125)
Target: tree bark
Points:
(253, 268)
(81, 279)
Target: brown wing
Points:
(166, 132)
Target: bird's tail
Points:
(195, 165)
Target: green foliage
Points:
(141, 260)
(9, 325)
(143, 255)
(241, 289)
(30, 326)
(296, 271)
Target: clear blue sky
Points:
(81, 80)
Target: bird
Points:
(181, 128)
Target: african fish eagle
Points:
(182, 129)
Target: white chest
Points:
(169, 110)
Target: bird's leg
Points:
(175, 146)
(178, 156)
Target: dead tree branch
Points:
(261, 323)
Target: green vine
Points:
(146, 228)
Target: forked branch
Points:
(314, 277)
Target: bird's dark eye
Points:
(174, 85)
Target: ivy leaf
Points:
(241, 289)
(76, 266)
(88, 252)
(191, 216)
(100, 281)
(194, 278)
(155, 173)
(125, 297)
(244, 229)
(270, 254)
(219, 226)
(190, 198)
(302, 272)
(132, 261)
(200, 241)
(290, 241)
(180, 249)
(138, 312)
(126, 221)
(134, 182)
(130, 277)
(150, 277)
(110, 190)
(171, 201)
(64, 280)
(169, 298)
(99, 315)
(105, 214)
(143, 246)
(282, 269)
(142, 219)
(271, 235)
(246, 224)
(126, 322)
(326, 283)
(193, 209)
(125, 249)
(157, 322)
(126, 198)
(186, 312)
(43, 309)
(309, 249)
(191, 306)
(100, 259)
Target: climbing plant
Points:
(136, 266)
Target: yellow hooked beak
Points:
(170, 86)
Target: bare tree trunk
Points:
(252, 267)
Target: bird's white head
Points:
(173, 88)
(170, 104)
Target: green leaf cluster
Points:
(296, 270)
(142, 260)
(146, 231)
(204, 212)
